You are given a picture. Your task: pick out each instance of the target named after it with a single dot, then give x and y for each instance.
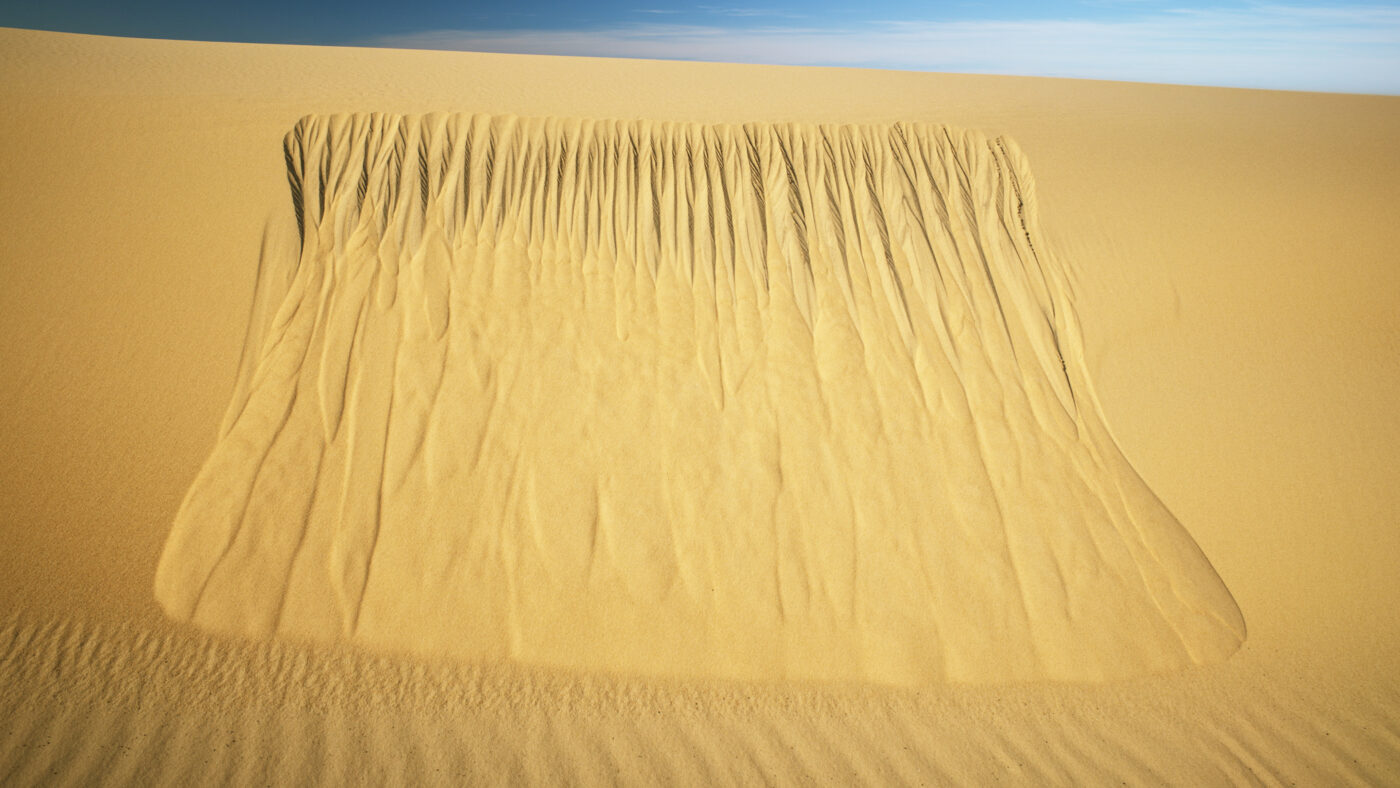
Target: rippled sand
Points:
(658, 448)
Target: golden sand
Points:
(756, 402)
(563, 473)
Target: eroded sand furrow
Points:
(760, 401)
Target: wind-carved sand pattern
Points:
(761, 401)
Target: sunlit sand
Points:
(758, 402)
(391, 416)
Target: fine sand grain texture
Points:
(770, 401)
(599, 421)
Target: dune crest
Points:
(761, 401)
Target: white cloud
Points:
(1354, 49)
(732, 11)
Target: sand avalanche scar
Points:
(755, 401)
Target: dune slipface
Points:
(747, 401)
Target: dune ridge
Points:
(751, 401)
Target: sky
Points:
(1298, 45)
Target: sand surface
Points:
(964, 443)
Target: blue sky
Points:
(1331, 46)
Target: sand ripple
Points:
(86, 704)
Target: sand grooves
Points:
(770, 401)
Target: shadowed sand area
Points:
(759, 402)
(867, 391)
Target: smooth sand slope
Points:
(527, 404)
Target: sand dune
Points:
(760, 401)
(1230, 255)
